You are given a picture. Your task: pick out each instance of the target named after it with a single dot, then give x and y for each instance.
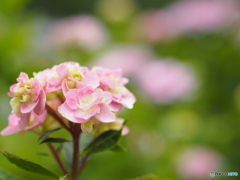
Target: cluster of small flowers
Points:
(75, 93)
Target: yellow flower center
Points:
(78, 76)
(71, 84)
(27, 86)
(25, 98)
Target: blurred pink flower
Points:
(197, 163)
(125, 58)
(84, 30)
(204, 15)
(166, 80)
(156, 25)
(188, 16)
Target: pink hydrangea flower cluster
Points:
(198, 162)
(87, 97)
(84, 30)
(188, 16)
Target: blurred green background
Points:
(159, 132)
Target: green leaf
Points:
(28, 165)
(103, 142)
(85, 140)
(54, 140)
(59, 147)
(42, 154)
(118, 148)
(68, 153)
(45, 134)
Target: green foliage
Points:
(28, 165)
(51, 139)
(68, 153)
(146, 177)
(104, 141)
(4, 175)
(9, 7)
(42, 154)
(54, 140)
(45, 134)
(84, 141)
(118, 148)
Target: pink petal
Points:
(13, 125)
(37, 120)
(68, 113)
(128, 100)
(107, 97)
(114, 106)
(107, 83)
(35, 88)
(96, 101)
(62, 70)
(41, 103)
(22, 77)
(91, 79)
(72, 97)
(86, 91)
(28, 106)
(64, 86)
(105, 114)
(11, 93)
(125, 130)
(86, 115)
(25, 118)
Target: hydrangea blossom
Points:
(85, 31)
(198, 162)
(83, 96)
(173, 81)
(125, 58)
(187, 16)
(113, 82)
(27, 95)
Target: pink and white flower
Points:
(113, 82)
(66, 76)
(27, 95)
(73, 91)
(78, 77)
(83, 104)
(23, 122)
